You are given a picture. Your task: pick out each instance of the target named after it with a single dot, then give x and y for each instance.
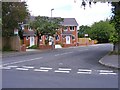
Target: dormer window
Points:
(72, 28)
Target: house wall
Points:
(62, 39)
(27, 41)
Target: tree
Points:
(45, 26)
(101, 31)
(115, 37)
(83, 30)
(12, 14)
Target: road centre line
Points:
(5, 67)
(45, 68)
(29, 67)
(63, 53)
(22, 61)
(65, 69)
(40, 70)
(62, 71)
(85, 70)
(108, 73)
(23, 69)
(104, 71)
(12, 66)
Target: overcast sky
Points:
(70, 9)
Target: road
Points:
(75, 67)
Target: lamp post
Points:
(51, 11)
(52, 40)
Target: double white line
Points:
(63, 70)
(84, 71)
(106, 72)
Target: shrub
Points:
(33, 47)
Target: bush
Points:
(33, 47)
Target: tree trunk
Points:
(38, 40)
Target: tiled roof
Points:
(29, 33)
(69, 22)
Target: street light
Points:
(51, 11)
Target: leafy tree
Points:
(45, 26)
(101, 31)
(115, 37)
(12, 14)
(83, 30)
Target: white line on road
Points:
(29, 67)
(22, 61)
(104, 70)
(40, 70)
(63, 53)
(62, 71)
(45, 68)
(84, 72)
(12, 66)
(108, 73)
(5, 67)
(23, 69)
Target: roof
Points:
(69, 22)
(67, 33)
(66, 21)
(29, 33)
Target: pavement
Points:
(108, 60)
(111, 61)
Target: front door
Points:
(32, 41)
(67, 39)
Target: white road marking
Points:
(40, 70)
(23, 69)
(108, 73)
(62, 71)
(63, 53)
(22, 61)
(84, 72)
(57, 54)
(45, 68)
(29, 67)
(104, 71)
(12, 66)
(5, 67)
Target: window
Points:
(40, 38)
(27, 37)
(71, 28)
(57, 37)
(73, 37)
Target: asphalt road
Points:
(76, 67)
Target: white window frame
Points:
(73, 28)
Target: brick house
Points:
(67, 34)
(29, 36)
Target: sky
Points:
(70, 9)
